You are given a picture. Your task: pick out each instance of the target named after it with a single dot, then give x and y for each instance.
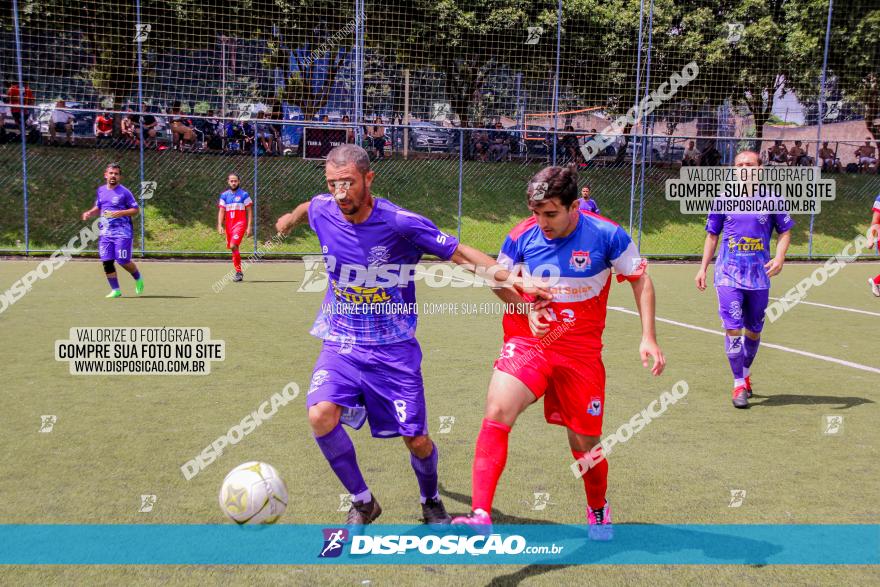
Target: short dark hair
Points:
(554, 182)
(231, 173)
(348, 153)
(114, 165)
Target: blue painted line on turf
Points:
(289, 544)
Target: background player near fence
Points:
(742, 279)
(874, 282)
(236, 209)
(556, 352)
(370, 363)
(116, 205)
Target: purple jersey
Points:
(390, 237)
(745, 247)
(118, 198)
(588, 206)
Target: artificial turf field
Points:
(118, 437)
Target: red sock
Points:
(877, 280)
(490, 457)
(595, 480)
(236, 259)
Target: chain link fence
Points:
(459, 104)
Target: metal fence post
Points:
(643, 123)
(632, 183)
(140, 42)
(256, 184)
(556, 79)
(21, 119)
(820, 111)
(460, 176)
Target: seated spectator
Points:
(778, 153)
(127, 129)
(828, 159)
(570, 145)
(235, 136)
(16, 98)
(182, 133)
(265, 134)
(150, 129)
(208, 127)
(480, 144)
(798, 156)
(691, 157)
(377, 137)
(499, 143)
(103, 129)
(61, 120)
(349, 132)
(278, 116)
(710, 157)
(5, 114)
(865, 155)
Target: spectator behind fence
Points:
(61, 120)
(265, 135)
(127, 128)
(499, 143)
(235, 136)
(480, 144)
(182, 133)
(15, 97)
(691, 157)
(377, 137)
(570, 145)
(798, 156)
(828, 159)
(150, 128)
(211, 132)
(778, 153)
(865, 155)
(103, 129)
(349, 132)
(277, 127)
(710, 157)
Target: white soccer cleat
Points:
(875, 289)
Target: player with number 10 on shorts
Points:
(555, 352)
(370, 365)
(117, 206)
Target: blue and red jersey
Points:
(585, 260)
(235, 204)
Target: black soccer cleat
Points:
(239, 276)
(362, 513)
(434, 512)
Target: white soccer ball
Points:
(253, 493)
(288, 152)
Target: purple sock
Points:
(751, 349)
(339, 452)
(734, 347)
(114, 282)
(426, 473)
(136, 274)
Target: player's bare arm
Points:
(220, 214)
(875, 230)
(774, 265)
(291, 220)
(515, 287)
(90, 212)
(121, 213)
(250, 221)
(643, 291)
(709, 247)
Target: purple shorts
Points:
(115, 249)
(742, 308)
(382, 383)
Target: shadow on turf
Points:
(716, 546)
(840, 402)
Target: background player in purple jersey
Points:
(370, 364)
(742, 279)
(116, 205)
(586, 203)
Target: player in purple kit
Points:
(116, 205)
(586, 203)
(370, 365)
(742, 279)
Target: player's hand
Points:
(219, 229)
(873, 236)
(773, 266)
(649, 348)
(247, 231)
(534, 291)
(86, 216)
(539, 322)
(700, 279)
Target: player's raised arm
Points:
(291, 220)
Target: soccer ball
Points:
(288, 152)
(253, 493)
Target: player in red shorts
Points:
(874, 282)
(555, 352)
(237, 209)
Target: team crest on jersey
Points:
(580, 260)
(238, 198)
(378, 256)
(595, 408)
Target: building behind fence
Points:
(459, 103)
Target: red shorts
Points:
(235, 234)
(573, 387)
